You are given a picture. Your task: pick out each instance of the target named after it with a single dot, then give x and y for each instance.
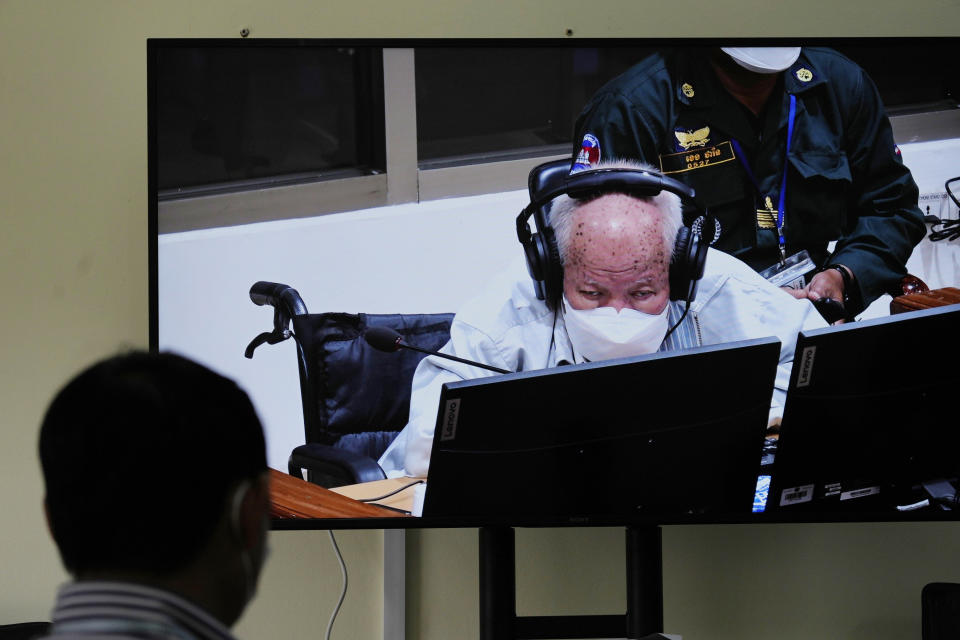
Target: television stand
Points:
(498, 593)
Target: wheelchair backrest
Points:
(355, 396)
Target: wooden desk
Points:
(925, 300)
(295, 498)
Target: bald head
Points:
(618, 231)
(666, 204)
(615, 255)
(615, 249)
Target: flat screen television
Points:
(384, 177)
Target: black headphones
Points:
(553, 179)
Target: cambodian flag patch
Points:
(589, 154)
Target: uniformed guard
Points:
(789, 148)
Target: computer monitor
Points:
(871, 415)
(660, 436)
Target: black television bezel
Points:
(153, 44)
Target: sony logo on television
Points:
(450, 413)
(806, 366)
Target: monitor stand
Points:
(498, 593)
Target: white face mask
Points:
(764, 59)
(603, 333)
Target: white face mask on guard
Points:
(763, 59)
(603, 333)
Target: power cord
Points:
(392, 493)
(949, 229)
(940, 492)
(343, 593)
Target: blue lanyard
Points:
(781, 206)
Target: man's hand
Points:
(799, 294)
(825, 284)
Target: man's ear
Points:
(249, 510)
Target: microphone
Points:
(386, 339)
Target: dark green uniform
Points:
(845, 177)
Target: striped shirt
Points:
(685, 336)
(92, 610)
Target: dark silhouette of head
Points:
(148, 460)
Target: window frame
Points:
(407, 180)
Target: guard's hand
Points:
(800, 294)
(825, 291)
(826, 284)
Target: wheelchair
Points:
(356, 398)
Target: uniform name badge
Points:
(791, 273)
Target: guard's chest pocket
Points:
(817, 194)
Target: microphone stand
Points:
(449, 357)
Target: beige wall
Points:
(73, 253)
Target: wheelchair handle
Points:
(286, 303)
(281, 296)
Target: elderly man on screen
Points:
(615, 251)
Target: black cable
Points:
(392, 493)
(388, 508)
(948, 232)
(689, 298)
(946, 185)
(682, 316)
(949, 229)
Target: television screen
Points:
(384, 177)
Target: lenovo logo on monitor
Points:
(806, 366)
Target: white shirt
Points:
(508, 327)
